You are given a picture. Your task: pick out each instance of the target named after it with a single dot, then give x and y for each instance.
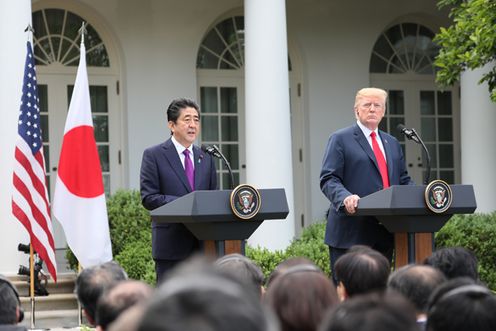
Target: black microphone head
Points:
(212, 150)
(400, 127)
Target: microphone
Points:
(215, 151)
(212, 150)
(413, 135)
(409, 133)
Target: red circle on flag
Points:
(79, 165)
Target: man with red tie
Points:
(360, 160)
(170, 170)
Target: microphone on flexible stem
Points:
(409, 133)
(215, 151)
(412, 134)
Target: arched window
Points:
(57, 51)
(57, 39)
(406, 47)
(224, 46)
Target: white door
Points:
(418, 103)
(221, 99)
(54, 94)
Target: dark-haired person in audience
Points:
(300, 296)
(416, 283)
(202, 298)
(244, 269)
(93, 281)
(447, 286)
(360, 272)
(285, 265)
(372, 312)
(119, 298)
(454, 262)
(11, 312)
(467, 307)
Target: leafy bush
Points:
(476, 232)
(136, 259)
(310, 245)
(129, 221)
(267, 260)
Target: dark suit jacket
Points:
(163, 180)
(349, 167)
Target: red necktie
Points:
(188, 168)
(381, 161)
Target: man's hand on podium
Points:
(351, 203)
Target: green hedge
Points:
(310, 245)
(476, 232)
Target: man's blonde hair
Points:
(370, 92)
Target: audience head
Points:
(467, 307)
(416, 283)
(447, 286)
(285, 265)
(300, 296)
(371, 312)
(361, 271)
(10, 305)
(93, 281)
(129, 319)
(205, 299)
(454, 262)
(118, 299)
(244, 269)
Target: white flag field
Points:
(79, 198)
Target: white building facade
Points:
(273, 78)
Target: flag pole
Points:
(30, 31)
(80, 313)
(31, 282)
(82, 31)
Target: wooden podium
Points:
(403, 211)
(208, 215)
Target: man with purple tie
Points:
(170, 170)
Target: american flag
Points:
(30, 196)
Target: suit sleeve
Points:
(332, 173)
(151, 196)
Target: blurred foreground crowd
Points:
(442, 294)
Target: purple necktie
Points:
(188, 168)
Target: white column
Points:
(15, 15)
(478, 137)
(268, 126)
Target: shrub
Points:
(136, 259)
(310, 245)
(476, 232)
(265, 259)
(129, 221)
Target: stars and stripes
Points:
(30, 196)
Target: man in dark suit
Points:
(360, 160)
(170, 170)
